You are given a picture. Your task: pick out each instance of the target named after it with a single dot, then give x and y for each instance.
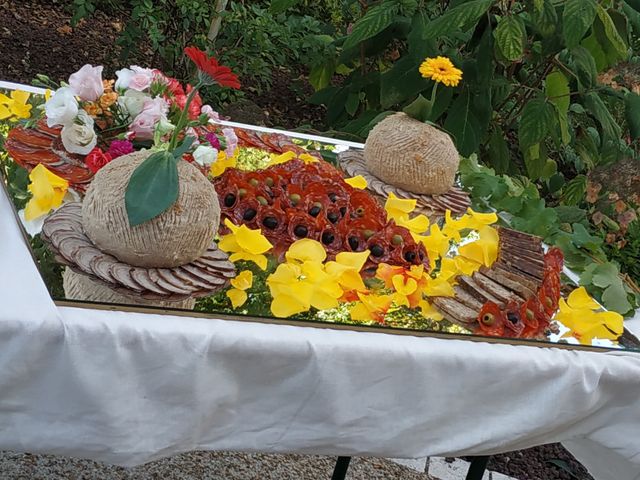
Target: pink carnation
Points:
(119, 148)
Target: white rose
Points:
(79, 137)
(87, 83)
(205, 155)
(124, 77)
(62, 108)
(132, 102)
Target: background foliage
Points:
(540, 106)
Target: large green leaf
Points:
(544, 17)
(373, 22)
(632, 113)
(536, 120)
(598, 109)
(510, 37)
(557, 90)
(593, 46)
(419, 45)
(463, 123)
(402, 82)
(584, 66)
(577, 18)
(152, 189)
(321, 74)
(498, 150)
(461, 17)
(278, 6)
(617, 46)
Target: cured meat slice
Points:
(454, 310)
(478, 292)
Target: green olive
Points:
(242, 192)
(295, 198)
(368, 234)
(254, 182)
(269, 181)
(530, 314)
(261, 200)
(396, 239)
(488, 319)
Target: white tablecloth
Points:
(128, 388)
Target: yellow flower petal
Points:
(259, 260)
(306, 250)
(429, 311)
(283, 306)
(436, 243)
(418, 224)
(48, 191)
(237, 297)
(243, 281)
(485, 249)
(399, 207)
(438, 287)
(20, 96)
(404, 286)
(354, 260)
(5, 112)
(228, 243)
(282, 158)
(579, 298)
(4, 100)
(252, 241)
(357, 182)
(306, 158)
(478, 219)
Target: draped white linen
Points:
(127, 388)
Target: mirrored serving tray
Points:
(201, 288)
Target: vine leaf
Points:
(577, 18)
(536, 120)
(374, 21)
(460, 17)
(463, 123)
(557, 90)
(152, 189)
(510, 36)
(632, 112)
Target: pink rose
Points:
(86, 83)
(231, 139)
(153, 111)
(141, 78)
(118, 148)
(210, 112)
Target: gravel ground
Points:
(201, 466)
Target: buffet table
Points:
(128, 388)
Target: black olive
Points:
(328, 238)
(314, 211)
(410, 256)
(513, 318)
(300, 231)
(377, 250)
(333, 197)
(249, 214)
(270, 222)
(343, 211)
(229, 200)
(353, 242)
(333, 217)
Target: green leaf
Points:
(598, 54)
(583, 239)
(584, 66)
(402, 82)
(463, 123)
(419, 45)
(374, 21)
(352, 103)
(499, 157)
(557, 90)
(575, 190)
(510, 36)
(278, 6)
(420, 109)
(461, 17)
(568, 214)
(544, 17)
(536, 120)
(598, 109)
(183, 148)
(577, 18)
(152, 188)
(605, 275)
(321, 74)
(618, 45)
(615, 298)
(632, 114)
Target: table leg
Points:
(477, 467)
(340, 470)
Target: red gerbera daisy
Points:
(209, 66)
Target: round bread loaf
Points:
(177, 236)
(412, 155)
(81, 288)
